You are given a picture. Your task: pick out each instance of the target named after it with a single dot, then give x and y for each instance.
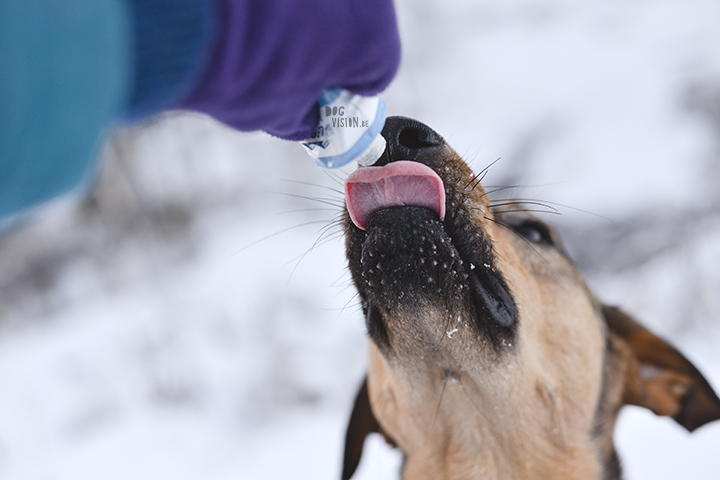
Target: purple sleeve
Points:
(273, 59)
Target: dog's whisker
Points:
(334, 177)
(492, 190)
(280, 232)
(475, 178)
(344, 281)
(479, 180)
(481, 175)
(528, 185)
(506, 203)
(548, 204)
(326, 235)
(443, 334)
(533, 210)
(334, 223)
(502, 224)
(323, 239)
(333, 202)
(354, 297)
(462, 385)
(325, 187)
(307, 210)
(437, 410)
(472, 159)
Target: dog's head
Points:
(490, 357)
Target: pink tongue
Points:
(399, 183)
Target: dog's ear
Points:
(659, 377)
(362, 423)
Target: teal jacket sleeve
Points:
(65, 75)
(70, 68)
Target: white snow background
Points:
(184, 321)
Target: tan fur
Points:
(544, 408)
(557, 376)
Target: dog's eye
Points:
(535, 232)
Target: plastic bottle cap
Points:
(373, 153)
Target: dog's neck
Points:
(453, 430)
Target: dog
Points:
(489, 357)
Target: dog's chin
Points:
(419, 275)
(407, 258)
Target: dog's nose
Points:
(407, 139)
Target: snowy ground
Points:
(180, 322)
